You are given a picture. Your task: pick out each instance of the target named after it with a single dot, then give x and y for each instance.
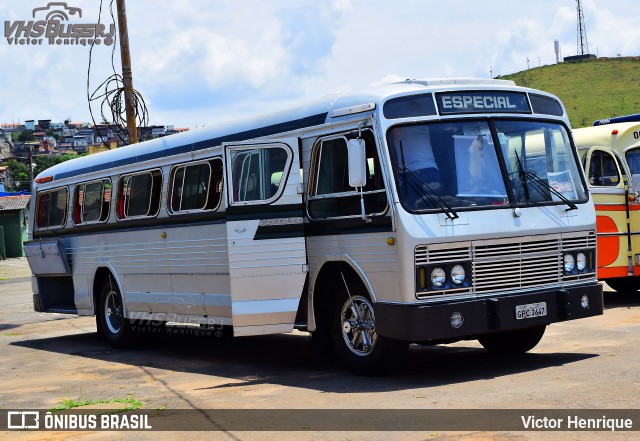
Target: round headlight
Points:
(438, 277)
(457, 274)
(581, 261)
(569, 262)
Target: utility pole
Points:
(127, 77)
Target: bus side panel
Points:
(369, 251)
(169, 272)
(611, 224)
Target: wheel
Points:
(512, 342)
(354, 337)
(116, 329)
(624, 284)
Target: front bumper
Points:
(433, 321)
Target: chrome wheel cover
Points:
(358, 326)
(113, 311)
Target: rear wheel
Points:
(624, 284)
(115, 328)
(512, 342)
(356, 342)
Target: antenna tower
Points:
(583, 46)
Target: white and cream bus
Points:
(610, 154)
(425, 211)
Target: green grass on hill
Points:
(590, 90)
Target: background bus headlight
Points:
(569, 262)
(581, 261)
(438, 277)
(458, 275)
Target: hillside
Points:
(590, 90)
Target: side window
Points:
(91, 202)
(52, 208)
(196, 187)
(603, 171)
(633, 159)
(257, 173)
(139, 195)
(331, 196)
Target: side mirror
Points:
(357, 163)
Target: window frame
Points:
(616, 162)
(75, 202)
(314, 176)
(283, 182)
(171, 186)
(121, 215)
(37, 208)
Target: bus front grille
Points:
(503, 265)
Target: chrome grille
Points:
(517, 263)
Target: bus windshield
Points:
(456, 164)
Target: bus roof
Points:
(312, 114)
(618, 136)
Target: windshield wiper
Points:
(544, 184)
(541, 185)
(419, 185)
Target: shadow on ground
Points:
(288, 360)
(613, 299)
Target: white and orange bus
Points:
(610, 154)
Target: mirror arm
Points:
(363, 213)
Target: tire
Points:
(116, 329)
(624, 284)
(512, 342)
(354, 338)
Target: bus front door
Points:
(607, 185)
(265, 235)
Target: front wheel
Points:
(356, 342)
(115, 328)
(512, 342)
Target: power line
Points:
(110, 95)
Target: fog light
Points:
(438, 277)
(637, 259)
(569, 262)
(584, 302)
(457, 319)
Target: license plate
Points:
(531, 310)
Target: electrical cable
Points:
(111, 97)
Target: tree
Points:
(19, 173)
(26, 136)
(44, 162)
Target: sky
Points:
(201, 62)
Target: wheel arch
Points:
(103, 273)
(325, 281)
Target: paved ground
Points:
(48, 358)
